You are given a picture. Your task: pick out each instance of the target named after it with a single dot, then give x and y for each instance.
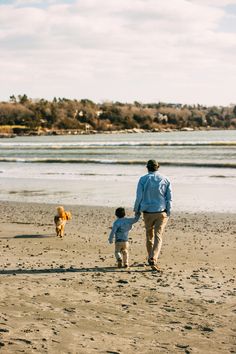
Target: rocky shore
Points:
(47, 132)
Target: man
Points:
(154, 199)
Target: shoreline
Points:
(62, 132)
(47, 204)
(83, 189)
(68, 296)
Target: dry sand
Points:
(66, 296)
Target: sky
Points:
(173, 51)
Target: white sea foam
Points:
(101, 144)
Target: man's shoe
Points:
(156, 268)
(151, 261)
(119, 263)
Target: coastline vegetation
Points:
(22, 115)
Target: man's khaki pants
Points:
(155, 224)
(122, 252)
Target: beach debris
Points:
(4, 330)
(207, 329)
(188, 327)
(182, 346)
(121, 281)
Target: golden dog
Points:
(60, 220)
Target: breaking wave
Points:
(110, 144)
(119, 162)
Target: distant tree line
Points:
(84, 114)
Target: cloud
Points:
(27, 2)
(215, 3)
(122, 50)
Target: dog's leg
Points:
(62, 230)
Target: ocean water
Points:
(104, 169)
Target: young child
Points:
(120, 230)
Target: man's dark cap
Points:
(152, 164)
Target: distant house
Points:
(98, 113)
(175, 105)
(162, 118)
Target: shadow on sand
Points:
(33, 236)
(27, 237)
(132, 269)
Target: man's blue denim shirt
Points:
(154, 194)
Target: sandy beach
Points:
(67, 296)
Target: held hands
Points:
(110, 241)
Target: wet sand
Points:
(67, 296)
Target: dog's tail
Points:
(68, 215)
